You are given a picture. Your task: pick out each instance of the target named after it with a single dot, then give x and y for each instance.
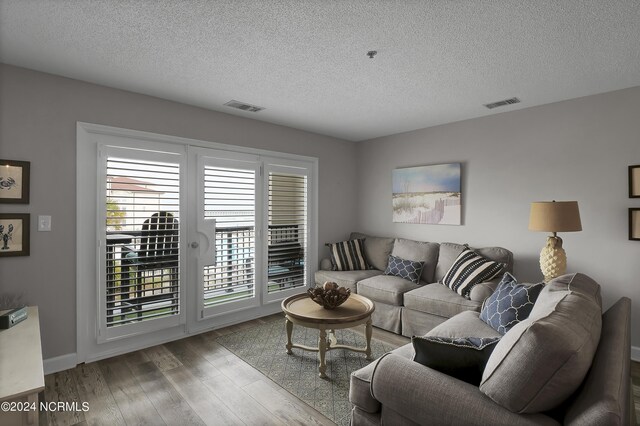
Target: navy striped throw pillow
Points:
(348, 255)
(468, 270)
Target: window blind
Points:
(142, 235)
(287, 231)
(229, 198)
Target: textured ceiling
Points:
(306, 63)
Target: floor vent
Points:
(502, 103)
(243, 106)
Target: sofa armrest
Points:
(481, 291)
(427, 396)
(325, 264)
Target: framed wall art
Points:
(427, 194)
(634, 224)
(14, 234)
(634, 181)
(14, 182)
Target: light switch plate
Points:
(44, 223)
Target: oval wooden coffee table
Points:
(301, 310)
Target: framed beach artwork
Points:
(427, 194)
(14, 182)
(14, 234)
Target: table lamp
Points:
(554, 216)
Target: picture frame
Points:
(634, 181)
(634, 224)
(15, 234)
(14, 181)
(429, 194)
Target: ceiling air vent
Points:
(502, 103)
(243, 106)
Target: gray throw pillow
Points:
(543, 359)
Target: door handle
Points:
(195, 244)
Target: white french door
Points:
(140, 200)
(252, 237)
(286, 187)
(190, 236)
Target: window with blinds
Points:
(287, 231)
(142, 234)
(230, 199)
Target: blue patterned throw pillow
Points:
(407, 269)
(461, 357)
(510, 304)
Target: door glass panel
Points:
(229, 199)
(287, 231)
(142, 234)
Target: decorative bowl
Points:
(329, 296)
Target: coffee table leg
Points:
(368, 330)
(289, 326)
(322, 350)
(333, 340)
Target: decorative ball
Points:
(329, 296)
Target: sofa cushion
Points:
(450, 251)
(542, 360)
(481, 291)
(386, 289)
(469, 269)
(419, 251)
(407, 269)
(439, 300)
(511, 303)
(461, 357)
(464, 324)
(360, 386)
(348, 255)
(376, 249)
(346, 279)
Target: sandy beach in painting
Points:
(435, 208)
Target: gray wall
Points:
(573, 150)
(38, 115)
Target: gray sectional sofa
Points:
(402, 306)
(567, 363)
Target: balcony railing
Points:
(231, 277)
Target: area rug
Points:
(263, 347)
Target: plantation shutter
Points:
(230, 200)
(287, 231)
(142, 212)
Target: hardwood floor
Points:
(193, 381)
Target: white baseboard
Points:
(635, 353)
(65, 362)
(59, 363)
